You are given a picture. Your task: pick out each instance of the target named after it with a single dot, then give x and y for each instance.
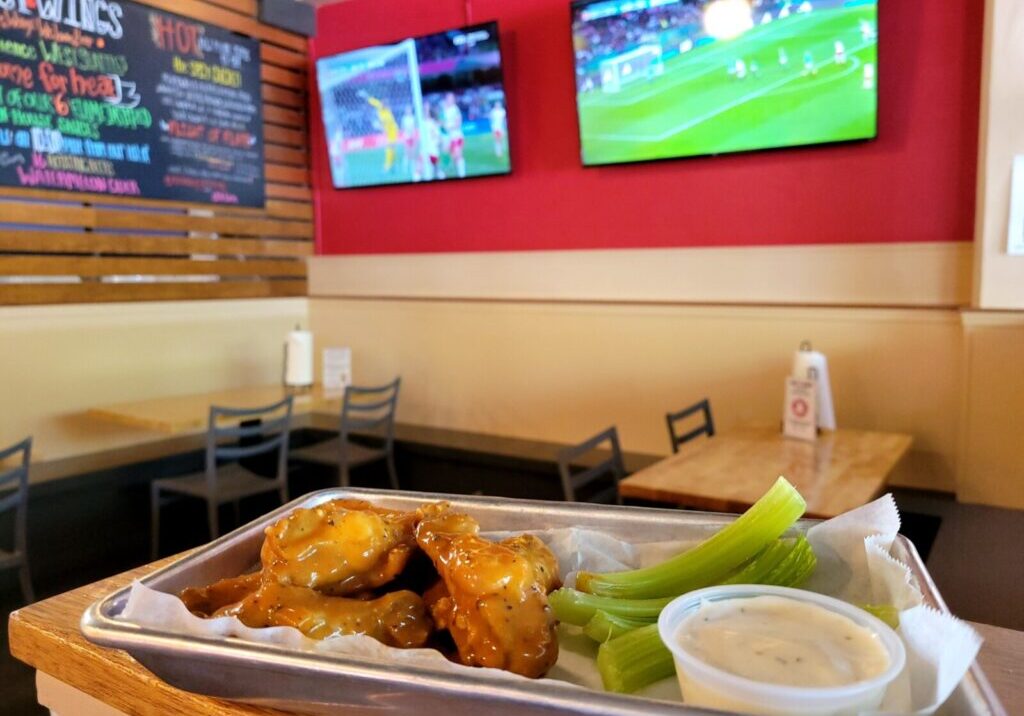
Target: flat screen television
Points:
(657, 79)
(423, 109)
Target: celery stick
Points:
(760, 566)
(605, 627)
(634, 660)
(785, 570)
(713, 559)
(575, 607)
(803, 570)
(886, 612)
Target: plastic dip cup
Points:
(705, 685)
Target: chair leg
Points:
(211, 515)
(343, 480)
(26, 580)
(283, 492)
(392, 473)
(154, 522)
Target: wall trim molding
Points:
(934, 275)
(992, 319)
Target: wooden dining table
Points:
(179, 414)
(78, 677)
(841, 470)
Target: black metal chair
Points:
(706, 428)
(260, 431)
(610, 470)
(14, 496)
(368, 412)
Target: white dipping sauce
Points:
(777, 640)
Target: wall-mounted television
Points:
(657, 79)
(423, 109)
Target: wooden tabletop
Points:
(46, 636)
(730, 471)
(189, 413)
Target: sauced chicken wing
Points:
(396, 619)
(339, 547)
(204, 601)
(493, 596)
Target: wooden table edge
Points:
(166, 427)
(35, 638)
(52, 645)
(630, 489)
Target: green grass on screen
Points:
(697, 107)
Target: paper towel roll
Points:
(805, 363)
(298, 359)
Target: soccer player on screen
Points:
(431, 145)
(410, 138)
(390, 127)
(840, 51)
(451, 119)
(869, 76)
(499, 127)
(809, 67)
(336, 151)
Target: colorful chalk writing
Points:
(118, 98)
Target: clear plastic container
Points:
(705, 685)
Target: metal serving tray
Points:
(330, 683)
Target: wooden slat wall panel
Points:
(112, 293)
(182, 266)
(95, 243)
(67, 247)
(272, 94)
(285, 155)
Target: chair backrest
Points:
(14, 489)
(370, 409)
(256, 431)
(610, 470)
(707, 427)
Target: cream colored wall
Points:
(559, 371)
(999, 277)
(58, 361)
(919, 274)
(992, 465)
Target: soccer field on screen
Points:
(701, 105)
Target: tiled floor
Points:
(976, 561)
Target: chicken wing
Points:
(493, 596)
(396, 619)
(204, 601)
(339, 547)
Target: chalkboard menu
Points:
(118, 98)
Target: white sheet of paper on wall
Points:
(337, 370)
(1015, 241)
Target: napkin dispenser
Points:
(813, 365)
(298, 359)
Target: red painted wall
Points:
(914, 183)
